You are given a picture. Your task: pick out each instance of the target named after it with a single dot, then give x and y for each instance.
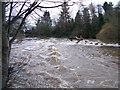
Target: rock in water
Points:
(52, 48)
(54, 60)
(54, 53)
(61, 68)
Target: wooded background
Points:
(91, 22)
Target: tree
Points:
(31, 32)
(108, 34)
(15, 26)
(44, 25)
(86, 23)
(46, 18)
(108, 8)
(110, 30)
(78, 24)
(94, 21)
(24, 13)
(5, 47)
(64, 16)
(64, 20)
(117, 20)
(1, 44)
(72, 26)
(101, 20)
(105, 6)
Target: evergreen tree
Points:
(44, 25)
(15, 26)
(105, 6)
(108, 8)
(78, 24)
(110, 31)
(94, 23)
(101, 20)
(117, 12)
(46, 18)
(64, 16)
(64, 20)
(86, 23)
(94, 26)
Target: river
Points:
(61, 63)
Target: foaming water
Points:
(61, 63)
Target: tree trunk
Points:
(5, 48)
(0, 46)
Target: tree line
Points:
(90, 22)
(12, 24)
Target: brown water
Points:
(60, 63)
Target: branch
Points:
(54, 6)
(37, 13)
(15, 4)
(9, 19)
(28, 11)
(23, 20)
(23, 64)
(54, 1)
(20, 14)
(33, 17)
(32, 5)
(50, 6)
(6, 4)
(21, 9)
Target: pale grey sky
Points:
(54, 12)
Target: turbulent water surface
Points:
(61, 63)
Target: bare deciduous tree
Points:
(26, 8)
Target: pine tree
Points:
(46, 18)
(94, 22)
(86, 23)
(78, 24)
(64, 16)
(101, 20)
(110, 30)
(108, 8)
(44, 25)
(64, 20)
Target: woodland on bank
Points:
(101, 22)
(90, 22)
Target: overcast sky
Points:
(74, 9)
(54, 12)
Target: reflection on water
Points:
(110, 50)
(60, 63)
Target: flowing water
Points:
(61, 63)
